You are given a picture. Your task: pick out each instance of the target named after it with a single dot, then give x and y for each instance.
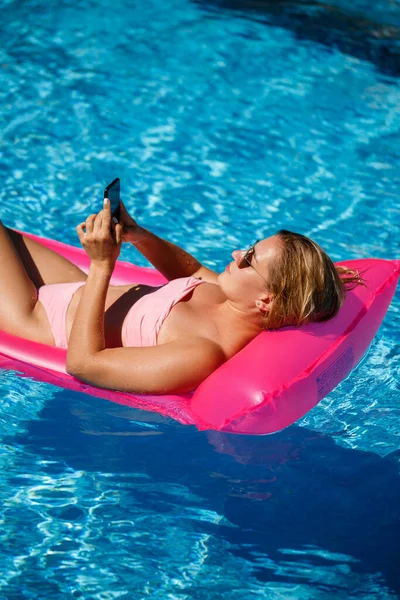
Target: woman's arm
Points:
(87, 332)
(175, 367)
(170, 368)
(102, 246)
(168, 258)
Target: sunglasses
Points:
(246, 259)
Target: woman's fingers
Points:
(122, 208)
(106, 215)
(98, 223)
(90, 223)
(118, 234)
(81, 231)
(100, 226)
(125, 218)
(100, 238)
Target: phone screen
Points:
(112, 192)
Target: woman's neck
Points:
(236, 326)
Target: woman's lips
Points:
(228, 268)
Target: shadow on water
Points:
(348, 31)
(288, 493)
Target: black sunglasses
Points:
(246, 259)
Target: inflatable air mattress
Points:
(268, 385)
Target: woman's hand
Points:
(101, 238)
(131, 231)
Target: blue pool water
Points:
(225, 121)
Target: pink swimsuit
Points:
(56, 298)
(141, 325)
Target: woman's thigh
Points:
(42, 265)
(20, 313)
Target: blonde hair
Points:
(305, 283)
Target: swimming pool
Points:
(224, 123)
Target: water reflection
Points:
(292, 505)
(351, 32)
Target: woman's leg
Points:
(20, 313)
(42, 265)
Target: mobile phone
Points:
(112, 192)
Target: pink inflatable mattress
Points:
(268, 385)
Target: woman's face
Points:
(249, 279)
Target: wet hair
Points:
(305, 283)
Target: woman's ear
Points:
(265, 303)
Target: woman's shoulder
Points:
(206, 274)
(206, 297)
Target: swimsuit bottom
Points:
(143, 321)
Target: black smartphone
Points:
(112, 192)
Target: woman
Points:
(136, 339)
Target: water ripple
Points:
(222, 129)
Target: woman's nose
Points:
(237, 255)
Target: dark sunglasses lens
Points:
(246, 260)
